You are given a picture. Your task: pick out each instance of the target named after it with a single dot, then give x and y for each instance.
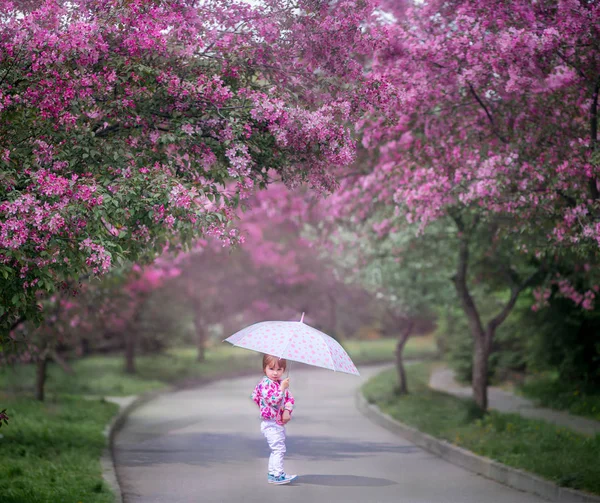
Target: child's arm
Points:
(288, 406)
(288, 401)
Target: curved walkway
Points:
(442, 379)
(205, 445)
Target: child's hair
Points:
(270, 359)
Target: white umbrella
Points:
(296, 341)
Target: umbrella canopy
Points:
(296, 341)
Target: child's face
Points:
(274, 371)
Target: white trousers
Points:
(275, 435)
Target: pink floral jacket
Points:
(271, 400)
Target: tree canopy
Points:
(127, 125)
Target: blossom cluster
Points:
(141, 122)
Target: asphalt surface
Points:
(205, 445)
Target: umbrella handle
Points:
(288, 375)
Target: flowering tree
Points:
(126, 124)
(496, 129)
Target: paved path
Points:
(442, 379)
(204, 445)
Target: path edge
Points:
(107, 460)
(486, 467)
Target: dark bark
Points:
(489, 115)
(130, 343)
(479, 382)
(45, 353)
(462, 289)
(480, 355)
(131, 337)
(402, 381)
(40, 376)
(200, 337)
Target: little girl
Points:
(276, 403)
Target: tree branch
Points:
(460, 281)
(489, 115)
(515, 292)
(576, 68)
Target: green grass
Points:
(548, 391)
(49, 452)
(557, 454)
(422, 347)
(104, 375)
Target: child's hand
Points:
(285, 418)
(285, 384)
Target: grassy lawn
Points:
(548, 391)
(557, 454)
(379, 350)
(50, 451)
(104, 375)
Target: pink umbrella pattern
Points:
(296, 341)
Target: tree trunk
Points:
(40, 376)
(130, 343)
(483, 337)
(402, 382)
(82, 347)
(200, 338)
(480, 355)
(479, 380)
(131, 339)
